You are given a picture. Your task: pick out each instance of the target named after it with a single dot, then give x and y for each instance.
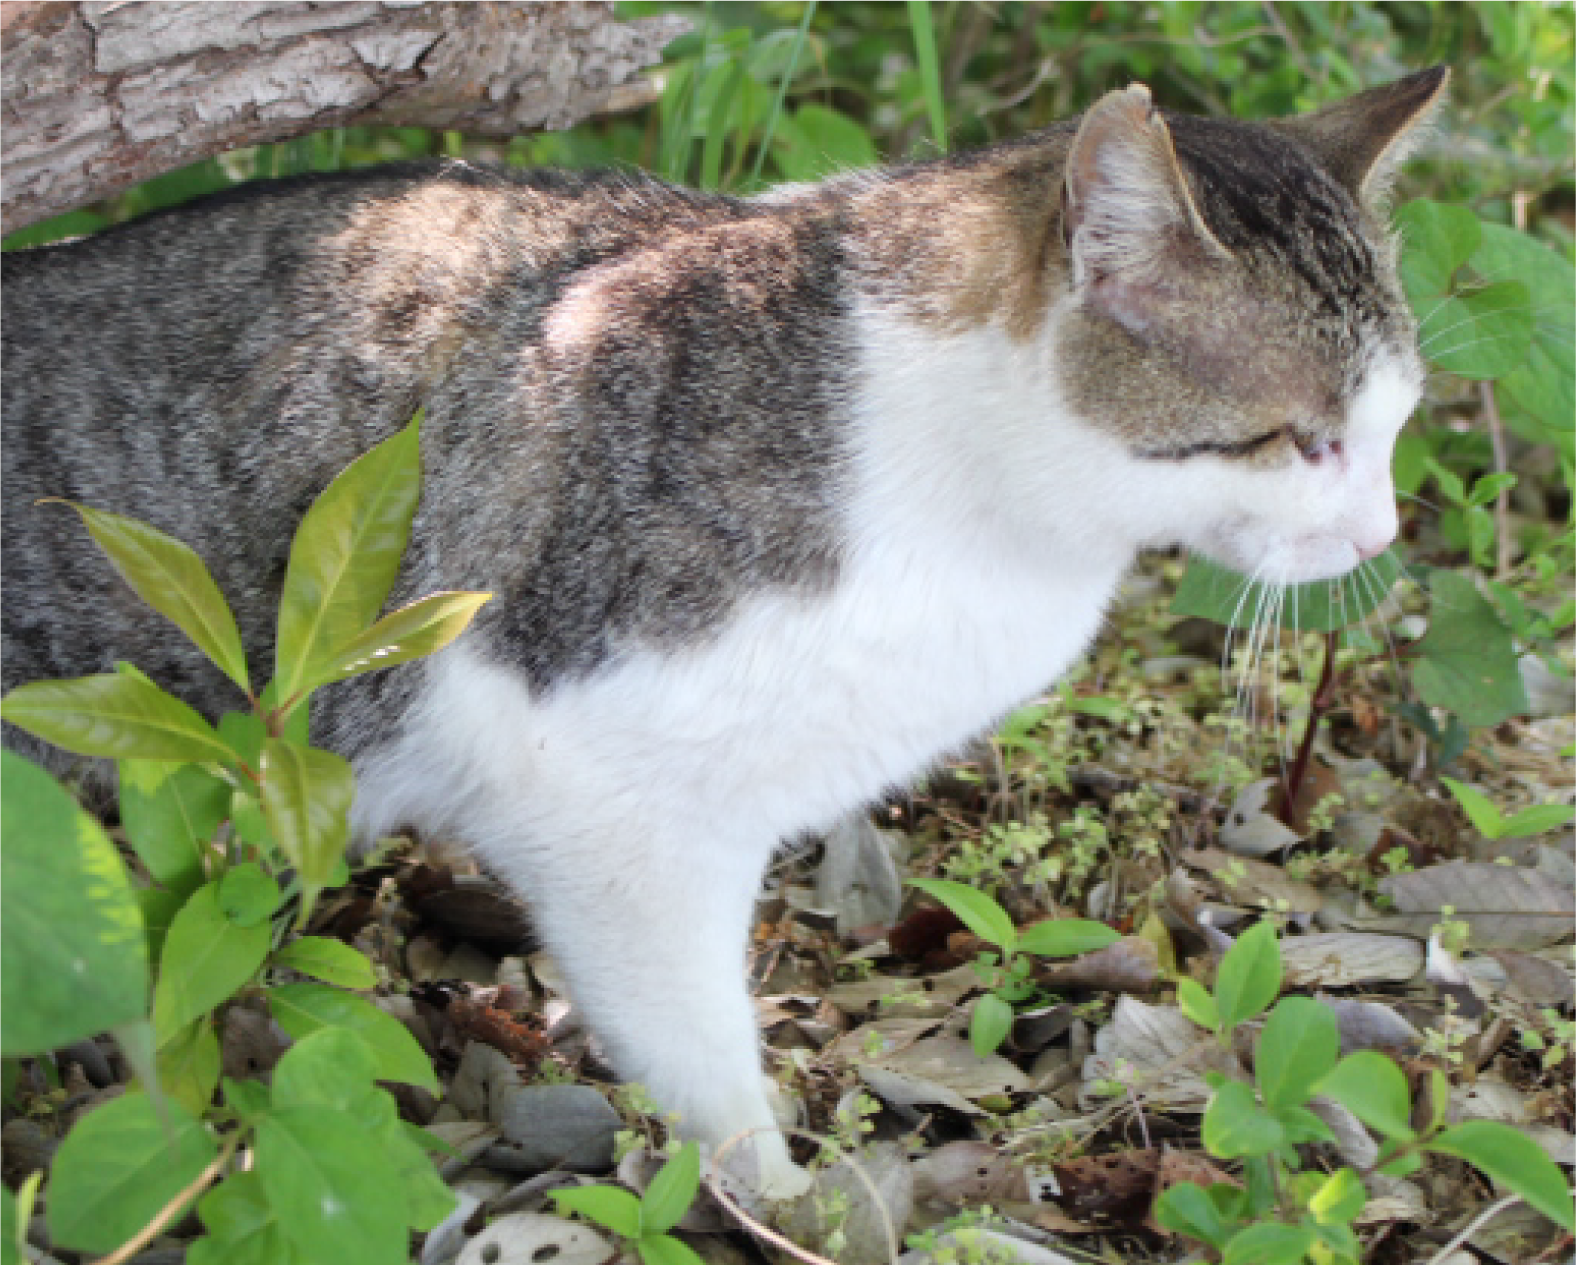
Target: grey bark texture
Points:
(97, 96)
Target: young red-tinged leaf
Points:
(207, 958)
(332, 961)
(306, 797)
(608, 1206)
(1516, 1162)
(171, 578)
(345, 556)
(1065, 937)
(1249, 976)
(1300, 1042)
(989, 1023)
(73, 954)
(1198, 1004)
(664, 1249)
(170, 813)
(1187, 1209)
(114, 715)
(1374, 1089)
(671, 1191)
(1268, 1243)
(1236, 1125)
(975, 910)
(302, 1009)
(422, 628)
(121, 1164)
(336, 1195)
(1479, 808)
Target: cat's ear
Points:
(1363, 140)
(1127, 214)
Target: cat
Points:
(780, 498)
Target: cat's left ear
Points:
(1363, 140)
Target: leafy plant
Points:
(644, 1222)
(1007, 977)
(239, 826)
(1495, 825)
(1283, 1213)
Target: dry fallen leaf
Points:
(1337, 959)
(1507, 906)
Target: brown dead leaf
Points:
(1337, 959)
(970, 1173)
(1109, 1190)
(1536, 980)
(1131, 965)
(1244, 881)
(1507, 906)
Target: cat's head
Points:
(1236, 320)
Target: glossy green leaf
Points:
(819, 141)
(331, 1067)
(171, 578)
(1065, 937)
(1299, 1043)
(989, 1023)
(170, 813)
(426, 1199)
(302, 1009)
(1537, 820)
(207, 958)
(73, 956)
(975, 910)
(346, 555)
(1340, 1198)
(1374, 1089)
(1198, 1004)
(671, 1191)
(664, 1249)
(1213, 592)
(332, 961)
(115, 716)
(306, 798)
(118, 1167)
(188, 1066)
(422, 628)
(1186, 1209)
(1479, 333)
(335, 1194)
(1249, 976)
(244, 1228)
(1515, 1161)
(1269, 1243)
(1467, 660)
(248, 895)
(1437, 239)
(1236, 1125)
(1544, 386)
(607, 1206)
(1479, 808)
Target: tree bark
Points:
(97, 96)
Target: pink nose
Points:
(1367, 550)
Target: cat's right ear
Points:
(1129, 221)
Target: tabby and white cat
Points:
(780, 499)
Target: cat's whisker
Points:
(1419, 500)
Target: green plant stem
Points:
(1323, 696)
(782, 92)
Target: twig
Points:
(175, 1207)
(1476, 1224)
(1496, 436)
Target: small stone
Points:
(553, 1126)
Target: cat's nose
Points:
(1370, 549)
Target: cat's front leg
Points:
(650, 927)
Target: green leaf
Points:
(1302, 1125)
(989, 1024)
(115, 716)
(1339, 1199)
(206, 960)
(1437, 239)
(1545, 385)
(617, 1210)
(346, 555)
(1186, 1209)
(671, 1191)
(1269, 1243)
(73, 956)
(664, 1249)
(1198, 1004)
(1249, 976)
(1490, 486)
(1479, 808)
(975, 910)
(301, 1009)
(1300, 1042)
(306, 797)
(1515, 1161)
(335, 1193)
(426, 1199)
(119, 1166)
(422, 628)
(170, 813)
(331, 1067)
(251, 1100)
(821, 141)
(1480, 333)
(332, 961)
(1065, 937)
(1235, 1125)
(243, 1227)
(247, 895)
(1537, 820)
(929, 69)
(1213, 592)
(1374, 1089)
(1467, 660)
(188, 1066)
(171, 578)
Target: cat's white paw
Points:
(784, 1181)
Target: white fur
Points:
(638, 809)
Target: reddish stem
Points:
(1323, 697)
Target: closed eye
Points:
(1219, 448)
